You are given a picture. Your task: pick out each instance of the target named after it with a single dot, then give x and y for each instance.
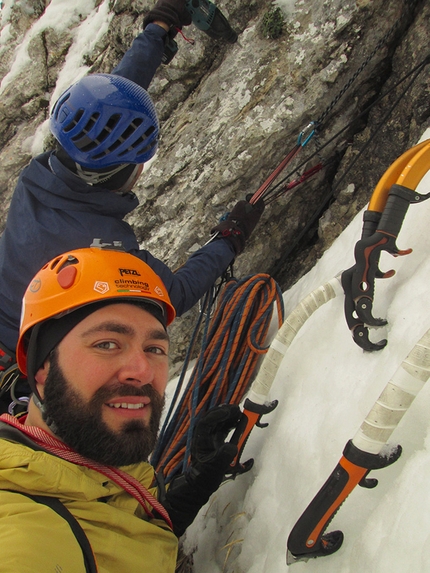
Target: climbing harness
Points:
(382, 222)
(361, 455)
(233, 341)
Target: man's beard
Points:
(79, 424)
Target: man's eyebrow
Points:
(159, 334)
(120, 328)
(109, 326)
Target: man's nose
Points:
(136, 369)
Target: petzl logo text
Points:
(133, 272)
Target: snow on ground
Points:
(326, 386)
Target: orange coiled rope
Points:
(233, 341)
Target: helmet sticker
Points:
(158, 291)
(35, 285)
(101, 286)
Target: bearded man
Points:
(76, 490)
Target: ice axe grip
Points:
(395, 210)
(307, 537)
(361, 455)
(251, 417)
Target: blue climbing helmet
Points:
(104, 120)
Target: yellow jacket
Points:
(35, 539)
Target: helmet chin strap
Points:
(94, 177)
(118, 178)
(38, 401)
(41, 406)
(134, 176)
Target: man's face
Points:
(105, 384)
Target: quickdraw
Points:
(382, 222)
(314, 128)
(270, 191)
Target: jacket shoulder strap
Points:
(56, 505)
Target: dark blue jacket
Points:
(53, 211)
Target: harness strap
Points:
(59, 508)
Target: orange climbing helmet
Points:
(83, 277)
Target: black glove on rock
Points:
(171, 12)
(240, 223)
(210, 461)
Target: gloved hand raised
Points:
(240, 223)
(211, 457)
(171, 12)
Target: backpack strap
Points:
(56, 505)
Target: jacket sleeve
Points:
(196, 276)
(142, 59)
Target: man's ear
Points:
(42, 373)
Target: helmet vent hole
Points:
(131, 129)
(149, 131)
(147, 147)
(83, 141)
(55, 262)
(127, 134)
(87, 144)
(71, 260)
(58, 108)
(109, 127)
(141, 141)
(74, 122)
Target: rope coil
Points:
(233, 342)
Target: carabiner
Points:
(311, 126)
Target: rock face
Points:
(230, 113)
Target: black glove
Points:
(240, 223)
(210, 461)
(171, 12)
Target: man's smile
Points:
(130, 405)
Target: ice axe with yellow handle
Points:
(382, 222)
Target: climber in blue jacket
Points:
(106, 128)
